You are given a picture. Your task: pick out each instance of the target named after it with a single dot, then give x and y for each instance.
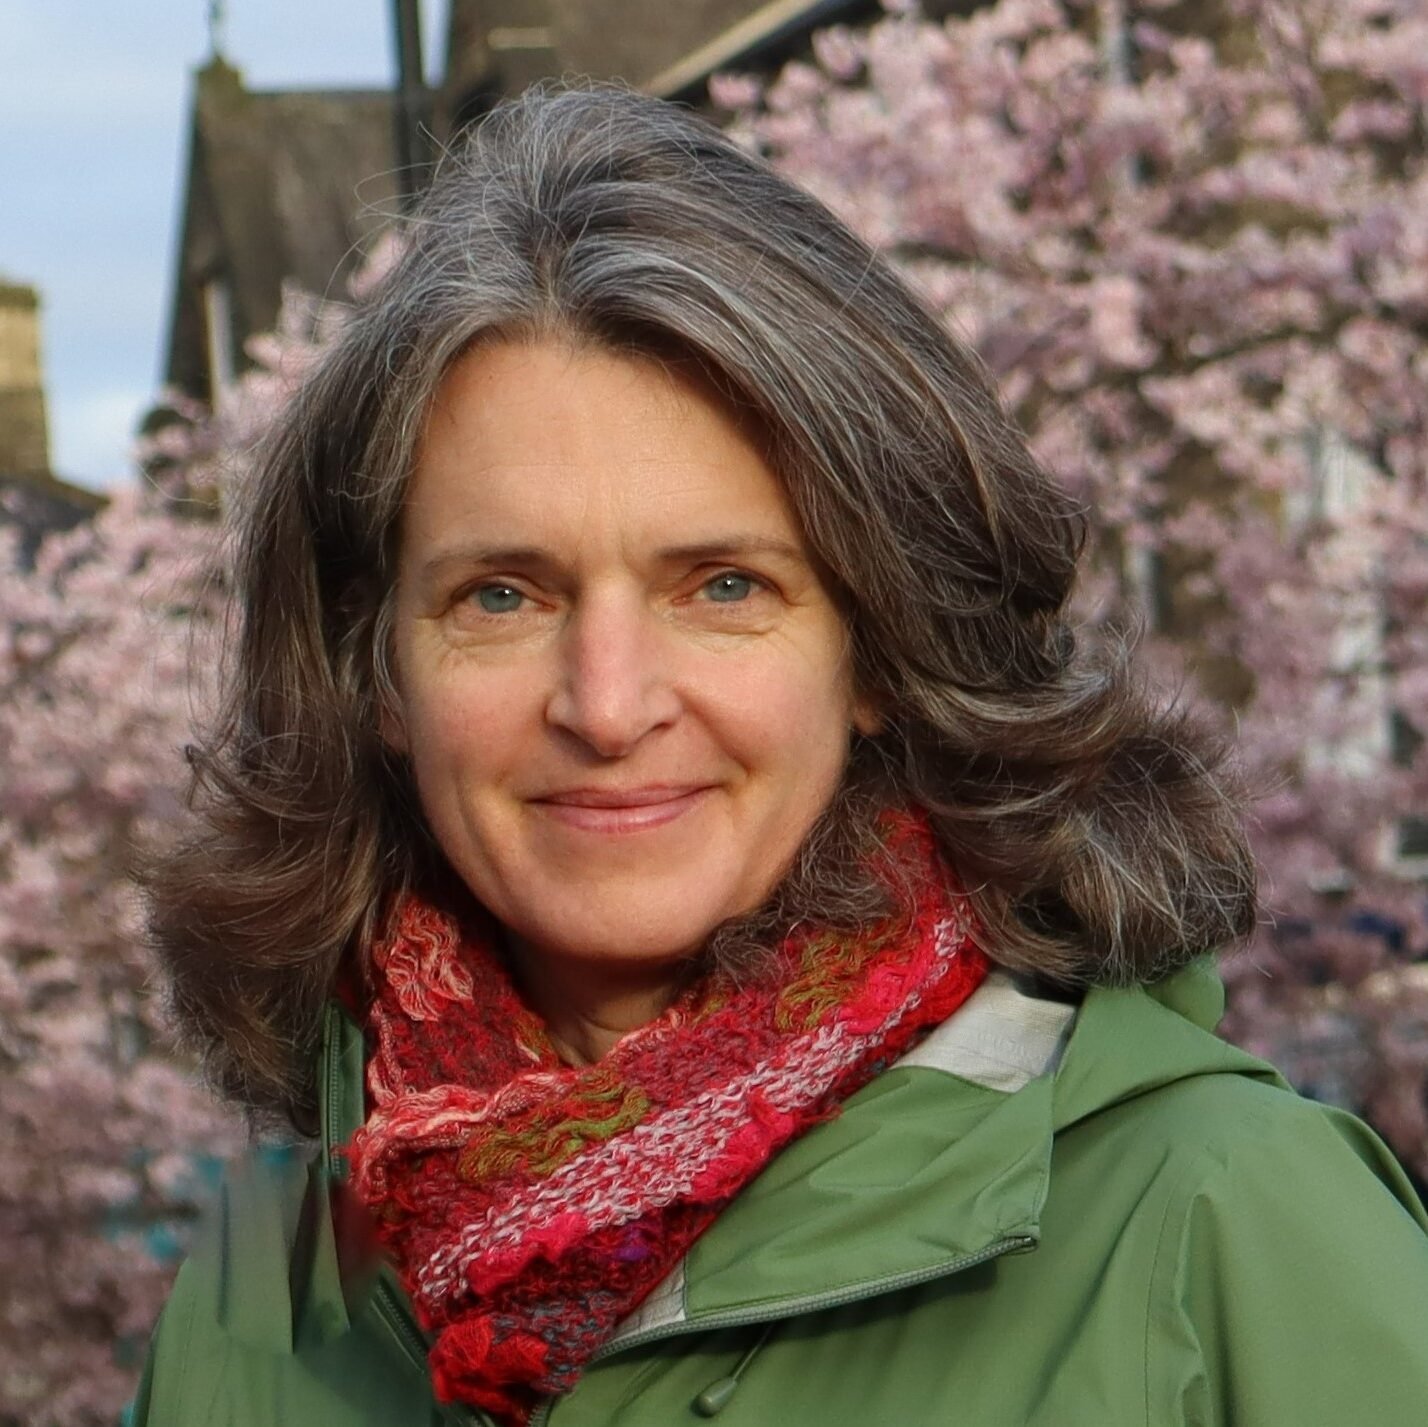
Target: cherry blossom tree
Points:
(102, 1129)
(108, 647)
(109, 642)
(1191, 242)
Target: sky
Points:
(94, 98)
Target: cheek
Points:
(790, 714)
(471, 726)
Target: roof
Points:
(495, 47)
(37, 504)
(768, 35)
(281, 185)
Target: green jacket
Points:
(1044, 1216)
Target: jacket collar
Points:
(940, 1162)
(943, 1161)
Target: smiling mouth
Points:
(622, 810)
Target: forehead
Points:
(545, 439)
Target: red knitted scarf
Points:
(530, 1205)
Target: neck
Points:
(588, 1006)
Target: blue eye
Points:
(499, 599)
(730, 587)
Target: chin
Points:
(652, 940)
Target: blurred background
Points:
(1190, 239)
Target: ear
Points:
(867, 717)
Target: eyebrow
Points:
(730, 547)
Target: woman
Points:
(735, 943)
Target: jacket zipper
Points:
(330, 1029)
(399, 1325)
(408, 1337)
(793, 1307)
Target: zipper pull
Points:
(713, 1400)
(717, 1396)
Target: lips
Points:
(647, 796)
(621, 810)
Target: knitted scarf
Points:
(530, 1205)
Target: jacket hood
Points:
(1129, 1042)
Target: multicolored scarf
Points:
(530, 1205)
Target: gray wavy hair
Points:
(1099, 835)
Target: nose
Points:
(614, 683)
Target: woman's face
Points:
(623, 688)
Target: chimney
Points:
(24, 430)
